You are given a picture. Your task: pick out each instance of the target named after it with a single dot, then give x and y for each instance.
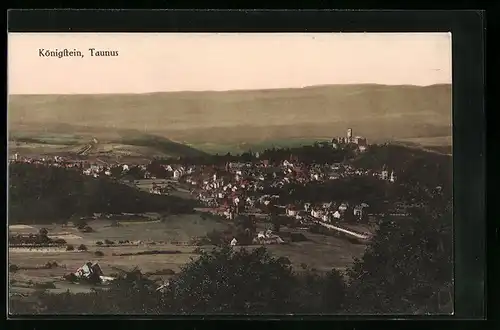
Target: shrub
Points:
(44, 285)
(70, 247)
(99, 243)
(81, 224)
(108, 242)
(50, 265)
(60, 241)
(166, 271)
(13, 268)
(87, 229)
(298, 237)
(98, 253)
(82, 247)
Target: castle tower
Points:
(349, 135)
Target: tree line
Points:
(310, 154)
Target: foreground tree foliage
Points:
(227, 281)
(407, 268)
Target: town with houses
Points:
(240, 188)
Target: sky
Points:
(157, 62)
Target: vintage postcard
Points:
(230, 173)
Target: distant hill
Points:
(252, 116)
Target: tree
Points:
(276, 221)
(406, 265)
(228, 281)
(320, 293)
(116, 172)
(43, 233)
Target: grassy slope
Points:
(230, 118)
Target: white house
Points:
(358, 211)
(336, 215)
(316, 214)
(234, 242)
(177, 174)
(393, 177)
(342, 207)
(291, 212)
(88, 269)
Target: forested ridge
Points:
(41, 194)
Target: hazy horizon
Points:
(212, 62)
(231, 90)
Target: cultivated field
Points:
(172, 237)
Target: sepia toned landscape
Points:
(320, 196)
(235, 120)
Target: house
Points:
(384, 175)
(393, 177)
(177, 174)
(268, 238)
(316, 214)
(337, 215)
(234, 242)
(291, 211)
(358, 211)
(88, 271)
(343, 207)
